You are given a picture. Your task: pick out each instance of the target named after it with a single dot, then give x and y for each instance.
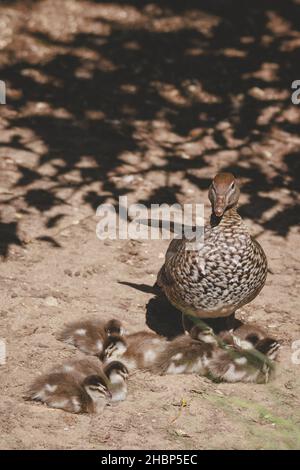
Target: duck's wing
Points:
(191, 263)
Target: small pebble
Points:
(128, 179)
(51, 302)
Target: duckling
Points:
(203, 353)
(248, 346)
(114, 328)
(223, 274)
(235, 364)
(137, 350)
(187, 354)
(117, 374)
(79, 369)
(62, 390)
(90, 335)
(248, 336)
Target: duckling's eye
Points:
(232, 186)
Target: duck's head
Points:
(223, 193)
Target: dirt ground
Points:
(108, 99)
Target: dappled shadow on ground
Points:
(149, 102)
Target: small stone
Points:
(289, 385)
(181, 433)
(185, 156)
(223, 125)
(128, 179)
(51, 302)
(267, 153)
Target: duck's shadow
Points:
(163, 318)
(166, 320)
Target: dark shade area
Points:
(164, 65)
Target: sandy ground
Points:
(94, 113)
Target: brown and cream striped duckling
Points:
(187, 354)
(81, 386)
(224, 273)
(62, 390)
(249, 336)
(80, 369)
(89, 335)
(203, 353)
(244, 355)
(117, 374)
(235, 364)
(137, 350)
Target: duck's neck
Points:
(230, 217)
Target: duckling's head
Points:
(114, 328)
(114, 347)
(203, 333)
(117, 374)
(97, 389)
(269, 347)
(250, 332)
(116, 369)
(223, 193)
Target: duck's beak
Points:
(220, 206)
